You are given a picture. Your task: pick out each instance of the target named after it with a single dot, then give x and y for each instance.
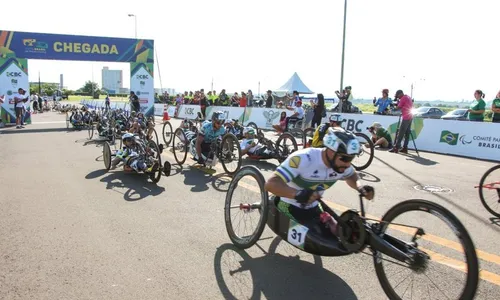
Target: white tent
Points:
(294, 84)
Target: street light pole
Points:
(135, 21)
(343, 51)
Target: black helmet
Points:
(218, 117)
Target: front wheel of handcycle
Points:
(365, 156)
(285, 145)
(489, 192)
(167, 133)
(91, 130)
(231, 161)
(397, 277)
(247, 182)
(180, 146)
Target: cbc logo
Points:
(13, 74)
(142, 77)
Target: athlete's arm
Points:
(354, 182)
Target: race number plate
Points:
(297, 234)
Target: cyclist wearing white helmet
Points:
(250, 145)
(209, 132)
(317, 140)
(130, 155)
(304, 176)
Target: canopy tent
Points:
(295, 84)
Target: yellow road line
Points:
(483, 255)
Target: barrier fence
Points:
(469, 139)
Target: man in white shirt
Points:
(250, 145)
(19, 100)
(298, 113)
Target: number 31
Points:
(296, 234)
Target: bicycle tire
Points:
(469, 290)
(372, 152)
(235, 143)
(481, 196)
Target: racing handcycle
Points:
(225, 148)
(388, 240)
(149, 152)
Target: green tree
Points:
(91, 88)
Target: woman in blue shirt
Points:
(383, 103)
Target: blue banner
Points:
(74, 47)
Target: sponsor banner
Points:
(160, 107)
(13, 75)
(265, 117)
(142, 84)
(189, 111)
(73, 47)
(236, 113)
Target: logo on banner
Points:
(13, 74)
(449, 138)
(270, 115)
(464, 141)
(142, 83)
(34, 46)
(9, 93)
(142, 76)
(14, 83)
(189, 111)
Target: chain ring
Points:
(352, 232)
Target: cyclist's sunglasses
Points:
(346, 158)
(219, 122)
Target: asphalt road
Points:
(71, 230)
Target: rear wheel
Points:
(489, 191)
(180, 146)
(167, 133)
(230, 156)
(156, 176)
(367, 151)
(247, 183)
(285, 145)
(453, 279)
(106, 155)
(91, 130)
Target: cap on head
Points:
(376, 125)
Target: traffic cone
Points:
(165, 113)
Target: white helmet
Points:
(341, 141)
(127, 135)
(336, 118)
(249, 130)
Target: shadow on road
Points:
(495, 221)
(421, 160)
(368, 176)
(447, 200)
(200, 179)
(261, 164)
(136, 186)
(240, 276)
(35, 130)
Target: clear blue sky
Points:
(453, 45)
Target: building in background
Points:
(112, 80)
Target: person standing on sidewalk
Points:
(134, 102)
(406, 105)
(19, 100)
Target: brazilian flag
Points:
(449, 138)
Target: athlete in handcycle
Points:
(209, 145)
(298, 214)
(335, 121)
(258, 147)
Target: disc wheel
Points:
(400, 280)
(106, 155)
(489, 191)
(246, 197)
(180, 146)
(367, 151)
(167, 133)
(230, 154)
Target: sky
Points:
(446, 48)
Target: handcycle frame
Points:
(354, 233)
(489, 186)
(282, 154)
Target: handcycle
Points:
(281, 148)
(493, 186)
(356, 232)
(365, 155)
(220, 149)
(146, 146)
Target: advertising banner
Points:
(32, 45)
(189, 111)
(13, 75)
(265, 117)
(234, 113)
(142, 84)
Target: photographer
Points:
(380, 136)
(405, 103)
(383, 103)
(345, 99)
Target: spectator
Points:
(235, 100)
(40, 102)
(250, 98)
(243, 100)
(380, 136)
(406, 105)
(134, 102)
(107, 102)
(298, 114)
(19, 100)
(495, 107)
(203, 103)
(280, 127)
(477, 108)
(383, 103)
(270, 99)
(223, 98)
(319, 110)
